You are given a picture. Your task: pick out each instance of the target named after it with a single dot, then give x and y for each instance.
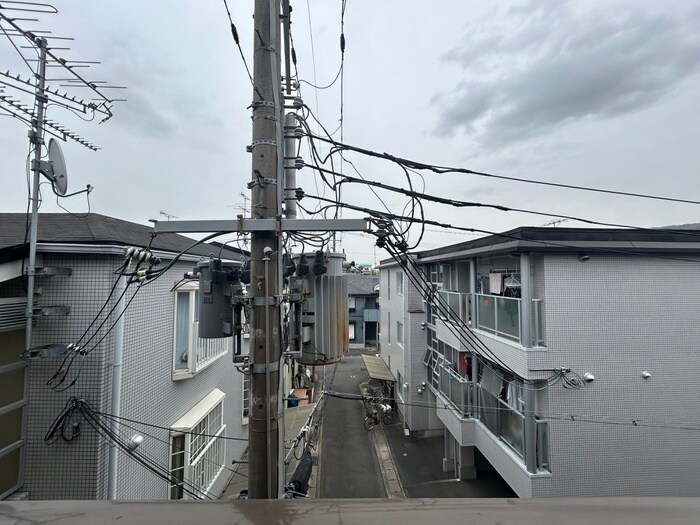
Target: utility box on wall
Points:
(324, 309)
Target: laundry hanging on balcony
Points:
(496, 283)
(511, 285)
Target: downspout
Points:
(115, 408)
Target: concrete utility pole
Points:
(266, 419)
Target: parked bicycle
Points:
(382, 412)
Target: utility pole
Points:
(266, 419)
(266, 226)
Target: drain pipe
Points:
(115, 407)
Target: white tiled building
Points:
(517, 317)
(184, 388)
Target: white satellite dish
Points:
(55, 168)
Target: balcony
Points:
(456, 389)
(468, 404)
(499, 316)
(495, 314)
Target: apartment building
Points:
(363, 313)
(563, 358)
(180, 395)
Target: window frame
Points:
(194, 439)
(399, 283)
(201, 353)
(399, 333)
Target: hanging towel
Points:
(496, 283)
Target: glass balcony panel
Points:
(486, 312)
(512, 426)
(508, 317)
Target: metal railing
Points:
(496, 314)
(206, 350)
(503, 421)
(456, 389)
(499, 315)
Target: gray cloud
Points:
(549, 66)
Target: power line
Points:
(236, 40)
(446, 169)
(471, 204)
(571, 417)
(383, 215)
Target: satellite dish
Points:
(59, 175)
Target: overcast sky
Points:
(600, 94)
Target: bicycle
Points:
(373, 418)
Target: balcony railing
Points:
(499, 315)
(456, 389)
(503, 421)
(470, 401)
(206, 350)
(495, 314)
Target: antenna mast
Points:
(34, 116)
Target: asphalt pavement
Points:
(356, 463)
(348, 461)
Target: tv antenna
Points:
(555, 223)
(27, 99)
(168, 216)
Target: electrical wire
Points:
(447, 169)
(570, 417)
(464, 204)
(236, 40)
(389, 216)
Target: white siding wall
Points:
(78, 469)
(616, 317)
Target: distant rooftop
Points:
(571, 240)
(93, 229)
(359, 284)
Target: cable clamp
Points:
(262, 103)
(262, 300)
(261, 142)
(263, 368)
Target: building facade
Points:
(363, 310)
(562, 358)
(179, 394)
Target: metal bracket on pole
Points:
(242, 225)
(53, 350)
(264, 301)
(263, 368)
(261, 142)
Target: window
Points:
(399, 385)
(351, 332)
(246, 398)
(190, 353)
(198, 448)
(388, 327)
(399, 332)
(399, 283)
(388, 284)
(351, 302)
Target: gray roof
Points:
(359, 284)
(572, 240)
(64, 228)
